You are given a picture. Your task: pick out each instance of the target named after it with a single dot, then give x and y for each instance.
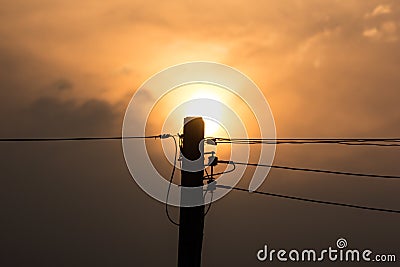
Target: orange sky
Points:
(328, 68)
(331, 62)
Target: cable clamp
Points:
(165, 136)
(211, 185)
(211, 141)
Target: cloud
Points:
(51, 117)
(63, 84)
(379, 10)
(371, 33)
(387, 32)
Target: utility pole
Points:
(191, 221)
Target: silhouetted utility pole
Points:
(191, 219)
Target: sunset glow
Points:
(175, 101)
(212, 128)
(69, 70)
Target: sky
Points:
(69, 68)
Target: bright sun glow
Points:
(203, 100)
(211, 128)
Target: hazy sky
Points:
(69, 68)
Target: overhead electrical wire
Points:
(170, 182)
(56, 139)
(312, 170)
(383, 142)
(224, 172)
(387, 142)
(391, 139)
(209, 205)
(161, 136)
(312, 200)
(211, 191)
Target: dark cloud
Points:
(53, 117)
(63, 84)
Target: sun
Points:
(211, 128)
(209, 101)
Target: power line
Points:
(369, 144)
(170, 182)
(312, 200)
(387, 142)
(345, 141)
(391, 139)
(220, 173)
(212, 192)
(313, 170)
(305, 143)
(80, 138)
(209, 205)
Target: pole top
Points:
(187, 119)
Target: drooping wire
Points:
(312, 200)
(209, 205)
(224, 172)
(313, 170)
(170, 182)
(212, 193)
(207, 174)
